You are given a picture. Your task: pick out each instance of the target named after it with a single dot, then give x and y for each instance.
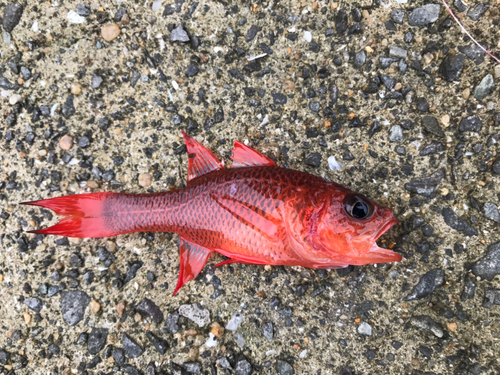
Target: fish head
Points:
(346, 230)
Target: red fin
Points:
(193, 259)
(203, 160)
(84, 215)
(244, 156)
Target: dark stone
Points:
(4, 356)
(26, 73)
(97, 340)
(191, 70)
(251, 33)
(360, 59)
(452, 66)
(431, 125)
(34, 304)
(219, 115)
(73, 305)
(456, 222)
(314, 106)
(268, 330)
(68, 108)
(460, 5)
(425, 185)
(424, 15)
(82, 10)
(388, 81)
(476, 12)
(243, 367)
(397, 15)
(83, 142)
(470, 124)
(433, 148)
(341, 22)
(6, 84)
(160, 344)
(149, 308)
(313, 160)
(284, 368)
(75, 260)
(426, 285)
(469, 289)
(132, 271)
(12, 15)
(422, 105)
(375, 127)
(118, 355)
(279, 98)
(491, 297)
(496, 166)
(132, 349)
(488, 266)
(172, 320)
(119, 14)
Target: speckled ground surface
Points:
(406, 104)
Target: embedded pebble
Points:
(110, 32)
(364, 329)
(485, 87)
(426, 285)
(424, 15)
(195, 313)
(66, 142)
(489, 265)
(235, 321)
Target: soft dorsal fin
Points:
(192, 260)
(201, 159)
(244, 156)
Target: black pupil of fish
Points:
(359, 210)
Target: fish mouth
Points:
(377, 254)
(386, 227)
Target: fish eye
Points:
(358, 207)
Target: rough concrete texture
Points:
(412, 122)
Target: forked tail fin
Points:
(86, 215)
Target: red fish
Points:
(253, 213)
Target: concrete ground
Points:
(388, 98)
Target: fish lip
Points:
(386, 227)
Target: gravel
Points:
(97, 339)
(12, 14)
(73, 306)
(150, 309)
(388, 102)
(485, 87)
(195, 313)
(424, 15)
(426, 285)
(132, 349)
(489, 265)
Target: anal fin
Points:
(193, 258)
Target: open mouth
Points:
(386, 227)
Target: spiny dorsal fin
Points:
(192, 260)
(244, 156)
(201, 159)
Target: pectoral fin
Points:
(193, 259)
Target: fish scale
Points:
(255, 213)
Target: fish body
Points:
(254, 213)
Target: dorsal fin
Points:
(244, 156)
(201, 159)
